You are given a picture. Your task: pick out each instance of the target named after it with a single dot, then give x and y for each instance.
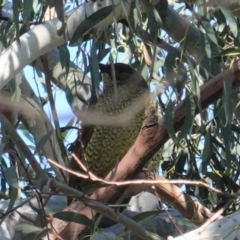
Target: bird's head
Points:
(124, 74)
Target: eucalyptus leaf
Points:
(27, 228)
(230, 19)
(190, 113)
(43, 141)
(64, 57)
(210, 32)
(16, 19)
(41, 234)
(74, 217)
(94, 69)
(90, 22)
(207, 151)
(227, 103)
(142, 216)
(11, 177)
(28, 8)
(227, 142)
(168, 121)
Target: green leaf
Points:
(74, 217)
(215, 161)
(213, 198)
(188, 123)
(27, 228)
(129, 17)
(181, 162)
(207, 151)
(95, 75)
(195, 82)
(214, 177)
(227, 94)
(41, 234)
(4, 164)
(69, 124)
(16, 18)
(168, 121)
(13, 194)
(64, 57)
(181, 77)
(210, 32)
(2, 146)
(2, 3)
(226, 134)
(90, 22)
(232, 184)
(170, 62)
(230, 52)
(155, 21)
(10, 175)
(236, 129)
(230, 19)
(162, 9)
(11, 178)
(28, 8)
(42, 142)
(142, 216)
(206, 52)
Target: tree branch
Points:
(32, 44)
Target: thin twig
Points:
(94, 178)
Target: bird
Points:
(124, 96)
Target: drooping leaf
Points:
(142, 216)
(232, 184)
(94, 69)
(155, 22)
(210, 32)
(225, 132)
(230, 52)
(206, 53)
(28, 8)
(168, 121)
(190, 113)
(90, 22)
(13, 194)
(10, 175)
(27, 228)
(42, 142)
(162, 9)
(69, 124)
(64, 57)
(214, 177)
(41, 234)
(74, 217)
(16, 18)
(207, 151)
(227, 103)
(230, 19)
(170, 63)
(194, 81)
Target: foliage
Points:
(176, 50)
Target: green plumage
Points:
(108, 143)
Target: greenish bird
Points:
(124, 102)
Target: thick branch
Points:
(185, 204)
(32, 44)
